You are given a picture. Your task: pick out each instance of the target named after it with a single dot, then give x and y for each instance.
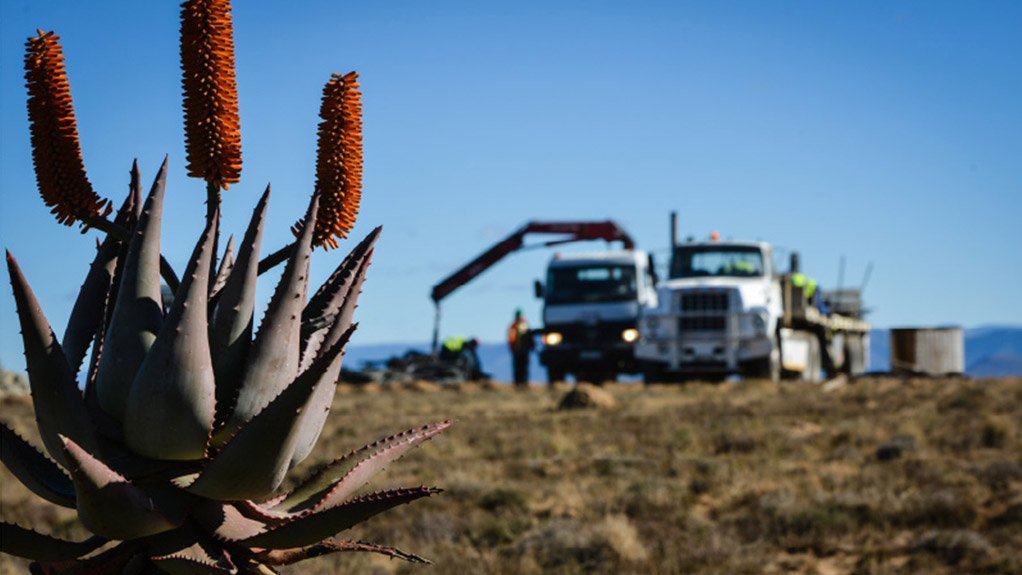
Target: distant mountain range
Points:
(990, 351)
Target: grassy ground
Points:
(880, 476)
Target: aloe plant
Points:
(174, 447)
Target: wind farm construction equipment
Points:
(725, 309)
(591, 300)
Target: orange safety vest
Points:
(518, 328)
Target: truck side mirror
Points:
(537, 289)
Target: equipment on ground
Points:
(725, 310)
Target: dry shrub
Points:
(954, 546)
(506, 499)
(946, 508)
(1000, 475)
(564, 542)
(793, 521)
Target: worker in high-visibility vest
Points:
(461, 352)
(741, 268)
(805, 282)
(809, 289)
(520, 342)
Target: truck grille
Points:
(702, 323)
(704, 310)
(704, 302)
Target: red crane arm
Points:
(576, 231)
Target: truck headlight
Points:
(759, 323)
(630, 335)
(552, 338)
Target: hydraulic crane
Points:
(570, 232)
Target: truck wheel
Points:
(854, 356)
(814, 363)
(652, 374)
(768, 368)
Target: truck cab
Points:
(726, 310)
(591, 308)
(716, 314)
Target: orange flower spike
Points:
(56, 148)
(212, 123)
(339, 160)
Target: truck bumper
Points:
(694, 354)
(573, 359)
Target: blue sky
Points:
(887, 132)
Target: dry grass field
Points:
(879, 476)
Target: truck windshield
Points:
(588, 284)
(702, 261)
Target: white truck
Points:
(591, 306)
(725, 310)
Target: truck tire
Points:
(855, 355)
(815, 362)
(768, 368)
(652, 373)
(555, 374)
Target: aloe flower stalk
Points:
(56, 149)
(212, 123)
(338, 167)
(339, 159)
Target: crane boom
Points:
(571, 232)
(575, 231)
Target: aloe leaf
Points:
(191, 561)
(290, 556)
(59, 408)
(187, 551)
(171, 403)
(106, 424)
(336, 298)
(138, 313)
(137, 191)
(226, 265)
(34, 470)
(253, 463)
(138, 468)
(196, 559)
(87, 313)
(226, 522)
(108, 505)
(27, 543)
(272, 361)
(339, 479)
(317, 407)
(232, 322)
(310, 529)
